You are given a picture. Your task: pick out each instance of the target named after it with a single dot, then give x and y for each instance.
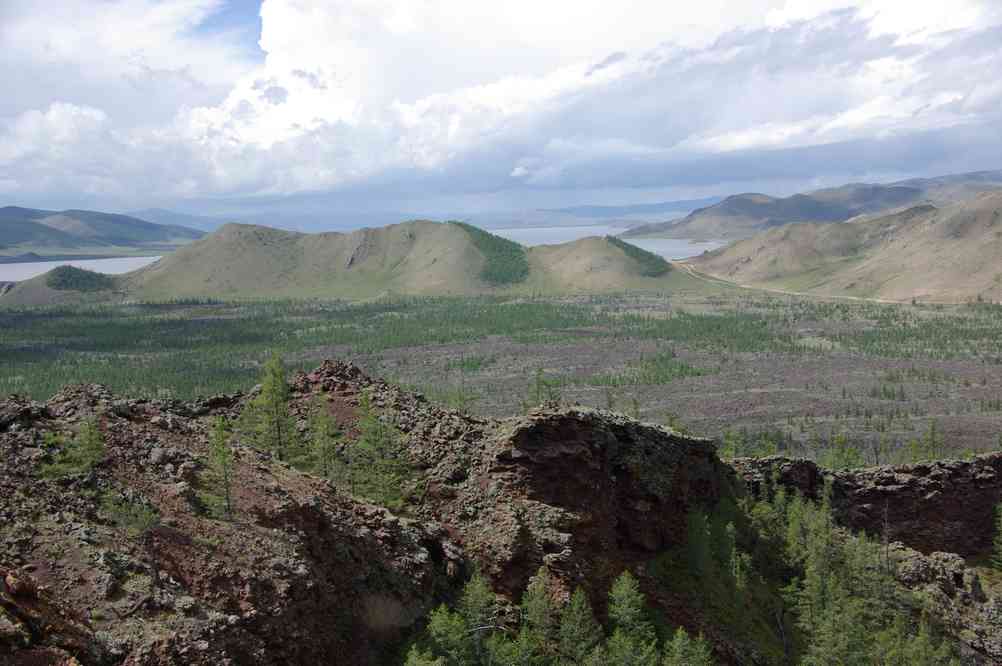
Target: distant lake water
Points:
(28, 270)
(669, 248)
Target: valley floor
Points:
(763, 373)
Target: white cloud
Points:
(462, 96)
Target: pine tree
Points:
(633, 641)
(450, 637)
(221, 460)
(266, 421)
(538, 619)
(683, 650)
(377, 468)
(478, 607)
(579, 631)
(324, 440)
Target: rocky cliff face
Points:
(303, 571)
(946, 505)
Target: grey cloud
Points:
(275, 94)
(619, 56)
(311, 78)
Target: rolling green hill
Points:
(45, 232)
(413, 258)
(947, 254)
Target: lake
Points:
(28, 270)
(669, 248)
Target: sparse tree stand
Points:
(266, 421)
(221, 461)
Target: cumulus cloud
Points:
(386, 98)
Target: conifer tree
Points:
(633, 641)
(539, 618)
(221, 460)
(377, 467)
(684, 650)
(266, 421)
(579, 631)
(324, 440)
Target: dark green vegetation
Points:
(651, 265)
(774, 574)
(71, 278)
(371, 466)
(266, 423)
(848, 383)
(505, 261)
(834, 599)
(76, 455)
(473, 633)
(997, 543)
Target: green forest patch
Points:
(71, 278)
(651, 265)
(505, 261)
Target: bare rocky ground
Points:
(303, 573)
(829, 392)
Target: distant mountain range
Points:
(743, 215)
(951, 253)
(173, 218)
(634, 210)
(30, 231)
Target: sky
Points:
(460, 106)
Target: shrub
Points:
(76, 456)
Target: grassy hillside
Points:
(744, 215)
(926, 253)
(413, 258)
(46, 232)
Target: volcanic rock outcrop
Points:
(928, 515)
(303, 573)
(946, 505)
